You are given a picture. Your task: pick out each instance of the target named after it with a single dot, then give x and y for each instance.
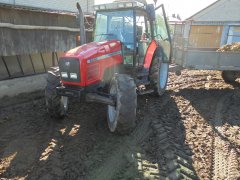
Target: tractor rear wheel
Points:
(159, 75)
(57, 106)
(122, 117)
(229, 76)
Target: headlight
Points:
(64, 74)
(73, 75)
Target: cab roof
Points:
(120, 5)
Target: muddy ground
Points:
(192, 132)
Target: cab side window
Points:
(143, 36)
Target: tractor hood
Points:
(88, 63)
(94, 49)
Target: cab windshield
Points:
(115, 25)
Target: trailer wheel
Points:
(159, 75)
(121, 118)
(229, 76)
(57, 106)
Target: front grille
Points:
(69, 69)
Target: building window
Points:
(233, 34)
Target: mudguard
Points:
(149, 54)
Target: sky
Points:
(185, 8)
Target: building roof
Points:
(191, 17)
(68, 6)
(221, 10)
(36, 9)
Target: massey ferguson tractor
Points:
(129, 56)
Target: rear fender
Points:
(150, 54)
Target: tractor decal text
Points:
(104, 56)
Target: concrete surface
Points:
(28, 84)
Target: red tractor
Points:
(129, 56)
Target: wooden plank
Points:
(26, 65)
(37, 62)
(13, 66)
(4, 71)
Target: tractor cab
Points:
(136, 25)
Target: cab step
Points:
(145, 92)
(142, 82)
(142, 74)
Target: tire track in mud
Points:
(157, 145)
(21, 99)
(30, 137)
(62, 156)
(190, 83)
(37, 130)
(225, 164)
(122, 152)
(208, 142)
(50, 161)
(38, 143)
(173, 155)
(173, 164)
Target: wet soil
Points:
(192, 132)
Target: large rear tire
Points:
(229, 76)
(122, 117)
(159, 75)
(57, 106)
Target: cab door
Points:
(162, 33)
(143, 37)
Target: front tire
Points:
(122, 117)
(57, 106)
(159, 75)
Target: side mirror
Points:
(151, 11)
(78, 6)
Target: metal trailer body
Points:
(187, 56)
(207, 60)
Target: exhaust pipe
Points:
(82, 27)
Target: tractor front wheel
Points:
(122, 117)
(57, 106)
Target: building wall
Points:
(214, 26)
(17, 41)
(205, 36)
(62, 5)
